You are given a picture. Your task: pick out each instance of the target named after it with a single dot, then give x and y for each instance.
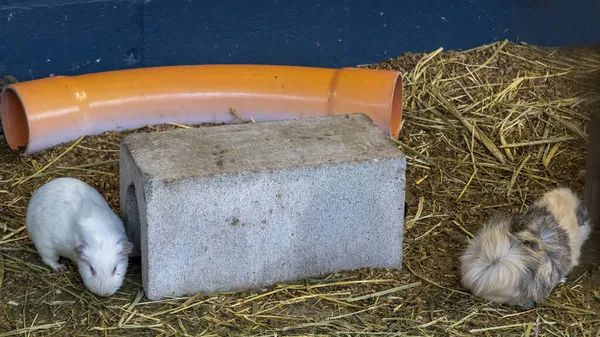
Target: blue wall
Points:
(67, 37)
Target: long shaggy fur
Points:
(520, 258)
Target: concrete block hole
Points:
(131, 214)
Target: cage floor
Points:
(486, 129)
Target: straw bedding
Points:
(486, 129)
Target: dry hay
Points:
(490, 128)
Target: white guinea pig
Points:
(68, 218)
(518, 259)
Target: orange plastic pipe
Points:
(42, 113)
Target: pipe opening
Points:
(14, 119)
(396, 113)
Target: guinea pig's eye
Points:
(92, 270)
(114, 270)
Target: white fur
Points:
(68, 218)
(584, 232)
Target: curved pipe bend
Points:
(43, 113)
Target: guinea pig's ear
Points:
(81, 252)
(126, 248)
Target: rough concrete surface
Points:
(243, 206)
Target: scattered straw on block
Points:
(484, 130)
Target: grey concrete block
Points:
(243, 206)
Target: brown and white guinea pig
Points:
(69, 218)
(518, 259)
